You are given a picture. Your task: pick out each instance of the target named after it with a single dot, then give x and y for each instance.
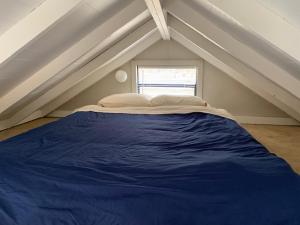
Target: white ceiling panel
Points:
(286, 9)
(11, 11)
(55, 80)
(63, 35)
(258, 27)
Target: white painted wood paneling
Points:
(143, 44)
(263, 29)
(249, 56)
(237, 70)
(70, 48)
(124, 50)
(33, 26)
(288, 10)
(81, 21)
(13, 11)
(109, 41)
(103, 33)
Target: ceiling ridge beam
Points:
(100, 36)
(159, 17)
(248, 77)
(236, 48)
(33, 26)
(111, 59)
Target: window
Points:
(157, 80)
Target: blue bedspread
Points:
(108, 169)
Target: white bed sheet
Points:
(158, 110)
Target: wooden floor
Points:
(281, 140)
(284, 141)
(24, 127)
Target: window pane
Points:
(166, 75)
(153, 91)
(165, 80)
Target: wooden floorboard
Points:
(284, 141)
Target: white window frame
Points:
(172, 63)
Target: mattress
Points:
(162, 166)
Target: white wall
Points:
(218, 89)
(222, 91)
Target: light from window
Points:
(165, 80)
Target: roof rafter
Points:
(33, 26)
(218, 57)
(99, 38)
(120, 53)
(159, 17)
(250, 57)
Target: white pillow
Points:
(162, 100)
(125, 100)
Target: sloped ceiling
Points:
(72, 28)
(288, 10)
(248, 40)
(267, 32)
(64, 44)
(14, 11)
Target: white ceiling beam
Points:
(206, 25)
(159, 17)
(245, 75)
(99, 38)
(95, 70)
(33, 26)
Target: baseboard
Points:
(240, 119)
(267, 120)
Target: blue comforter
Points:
(180, 169)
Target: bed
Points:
(145, 166)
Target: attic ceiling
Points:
(60, 50)
(288, 10)
(15, 11)
(79, 22)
